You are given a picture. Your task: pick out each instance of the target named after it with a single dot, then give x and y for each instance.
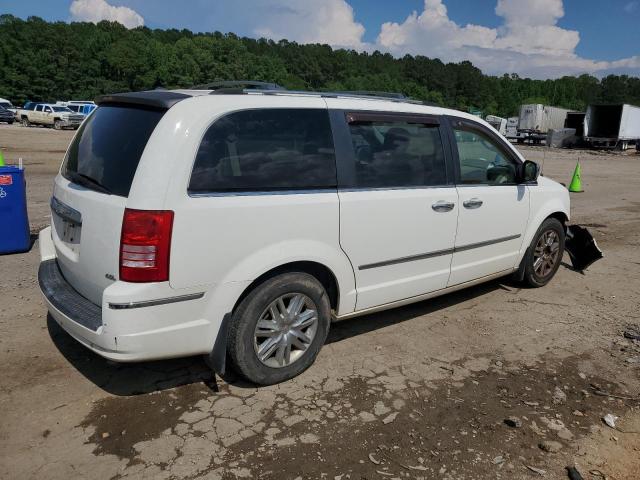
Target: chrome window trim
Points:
(251, 193)
(313, 191)
(376, 189)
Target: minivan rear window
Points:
(105, 153)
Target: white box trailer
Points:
(538, 118)
(612, 126)
(499, 123)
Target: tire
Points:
(10, 122)
(57, 125)
(26, 122)
(245, 340)
(537, 272)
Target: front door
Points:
(38, 114)
(494, 209)
(398, 211)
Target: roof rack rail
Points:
(233, 87)
(372, 93)
(239, 84)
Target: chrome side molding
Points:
(152, 303)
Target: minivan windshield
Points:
(105, 153)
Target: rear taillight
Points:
(145, 244)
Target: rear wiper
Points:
(87, 181)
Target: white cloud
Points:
(97, 10)
(328, 21)
(529, 42)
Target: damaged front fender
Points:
(582, 247)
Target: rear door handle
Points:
(443, 206)
(472, 203)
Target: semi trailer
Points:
(536, 120)
(612, 126)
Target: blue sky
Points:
(538, 38)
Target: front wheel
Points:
(25, 122)
(545, 253)
(278, 329)
(57, 124)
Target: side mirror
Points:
(530, 172)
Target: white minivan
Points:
(238, 223)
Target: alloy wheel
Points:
(546, 253)
(285, 330)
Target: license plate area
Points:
(67, 224)
(70, 232)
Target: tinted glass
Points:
(398, 154)
(483, 160)
(269, 149)
(109, 145)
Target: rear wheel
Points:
(545, 253)
(278, 329)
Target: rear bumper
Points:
(128, 330)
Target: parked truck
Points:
(499, 123)
(8, 106)
(612, 126)
(536, 120)
(83, 107)
(55, 116)
(512, 128)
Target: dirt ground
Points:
(417, 392)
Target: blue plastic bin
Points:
(14, 222)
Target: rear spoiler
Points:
(154, 99)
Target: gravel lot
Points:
(418, 392)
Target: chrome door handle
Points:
(442, 206)
(472, 203)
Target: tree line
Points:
(48, 61)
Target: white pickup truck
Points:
(55, 116)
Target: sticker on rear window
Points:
(6, 180)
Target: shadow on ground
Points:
(367, 323)
(126, 379)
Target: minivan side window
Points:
(397, 153)
(265, 150)
(482, 160)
